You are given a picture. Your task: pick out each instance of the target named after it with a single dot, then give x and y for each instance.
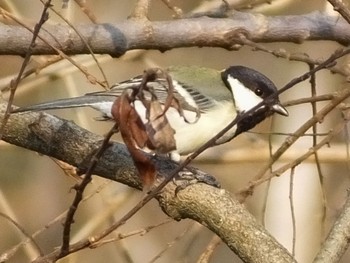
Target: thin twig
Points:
(292, 209)
(9, 254)
(341, 8)
(312, 99)
(79, 193)
(36, 69)
(268, 184)
(169, 245)
(317, 159)
(289, 133)
(337, 241)
(121, 236)
(83, 39)
(207, 254)
(338, 98)
(141, 10)
(14, 84)
(282, 53)
(178, 11)
(90, 77)
(57, 219)
(86, 10)
(243, 193)
(346, 119)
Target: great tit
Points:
(219, 96)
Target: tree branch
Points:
(117, 39)
(215, 208)
(340, 7)
(337, 241)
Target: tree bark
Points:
(117, 39)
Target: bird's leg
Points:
(188, 176)
(192, 176)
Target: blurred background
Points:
(35, 190)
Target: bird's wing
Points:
(189, 98)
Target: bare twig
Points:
(314, 143)
(79, 194)
(312, 99)
(169, 245)
(251, 4)
(35, 70)
(56, 51)
(345, 116)
(245, 192)
(178, 12)
(56, 220)
(292, 209)
(341, 8)
(339, 97)
(87, 10)
(14, 84)
(106, 84)
(6, 256)
(207, 254)
(282, 53)
(337, 241)
(141, 10)
(121, 236)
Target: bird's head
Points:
(250, 88)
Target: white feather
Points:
(104, 107)
(184, 93)
(245, 99)
(190, 136)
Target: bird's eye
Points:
(258, 92)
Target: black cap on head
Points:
(252, 79)
(240, 80)
(258, 83)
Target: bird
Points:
(218, 96)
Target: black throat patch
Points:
(252, 119)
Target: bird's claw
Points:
(187, 178)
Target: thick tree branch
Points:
(337, 241)
(116, 39)
(214, 208)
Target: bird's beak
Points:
(278, 108)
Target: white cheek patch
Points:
(245, 99)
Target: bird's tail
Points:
(83, 101)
